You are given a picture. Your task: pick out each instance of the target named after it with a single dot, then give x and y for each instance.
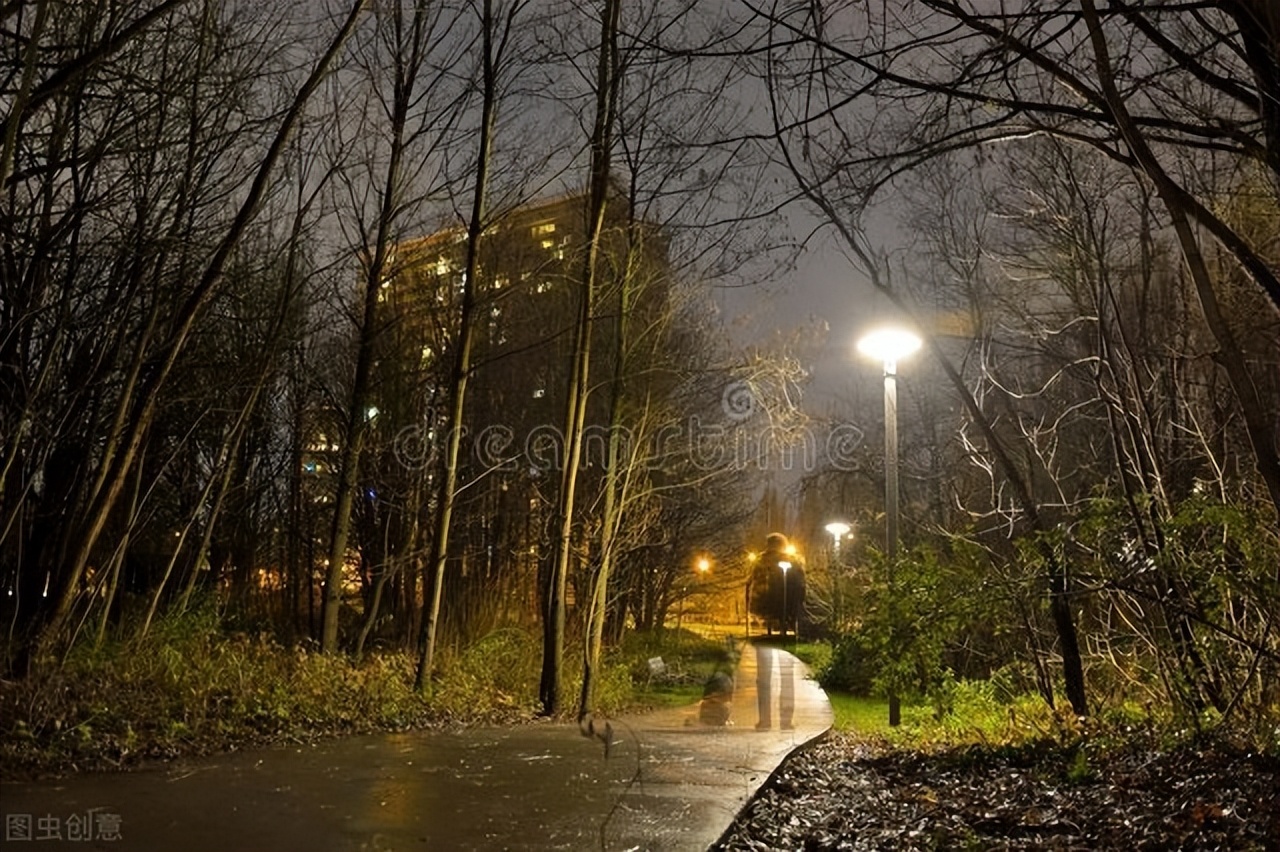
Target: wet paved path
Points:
(667, 783)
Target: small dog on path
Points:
(717, 695)
(717, 700)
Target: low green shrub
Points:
(964, 712)
(850, 667)
(492, 679)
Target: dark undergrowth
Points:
(190, 687)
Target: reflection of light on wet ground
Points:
(391, 796)
(669, 783)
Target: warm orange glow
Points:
(704, 564)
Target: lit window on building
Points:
(539, 393)
(542, 287)
(544, 229)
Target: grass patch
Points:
(815, 655)
(855, 714)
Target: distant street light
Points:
(704, 567)
(785, 566)
(888, 345)
(838, 530)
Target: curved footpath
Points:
(665, 781)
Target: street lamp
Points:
(785, 566)
(704, 567)
(838, 530)
(888, 345)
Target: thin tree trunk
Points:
(406, 72)
(117, 563)
(611, 514)
(460, 371)
(576, 408)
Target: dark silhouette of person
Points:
(767, 661)
(775, 590)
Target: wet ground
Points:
(664, 781)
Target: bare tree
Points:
(407, 37)
(496, 30)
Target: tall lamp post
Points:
(704, 566)
(837, 530)
(785, 566)
(888, 345)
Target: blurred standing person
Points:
(775, 594)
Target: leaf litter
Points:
(844, 793)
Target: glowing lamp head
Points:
(889, 344)
(838, 529)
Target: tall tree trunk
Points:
(576, 407)
(358, 415)
(460, 370)
(611, 514)
(117, 561)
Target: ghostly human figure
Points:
(769, 660)
(775, 590)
